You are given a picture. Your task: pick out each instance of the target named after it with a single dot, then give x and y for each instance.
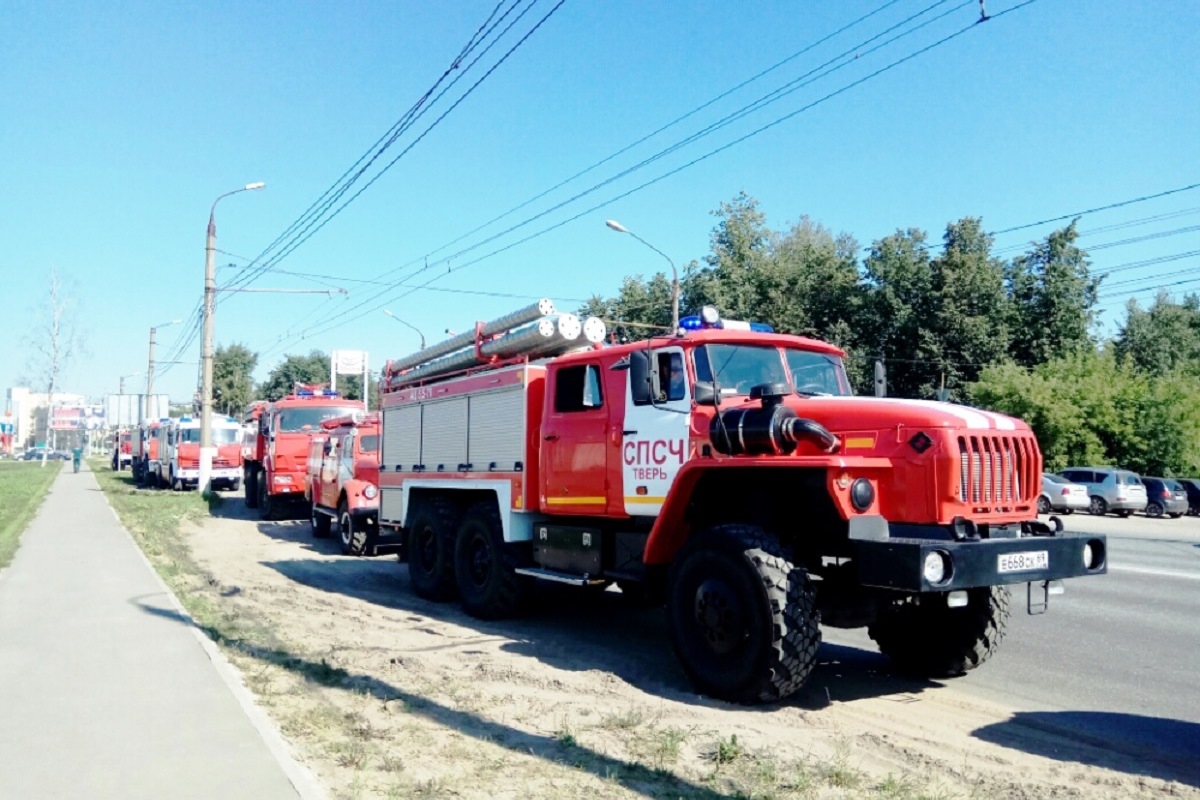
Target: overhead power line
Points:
(330, 325)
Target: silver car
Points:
(1110, 489)
(1059, 494)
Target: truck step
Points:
(558, 577)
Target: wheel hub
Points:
(719, 616)
(481, 561)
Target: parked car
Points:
(1165, 496)
(1110, 489)
(1192, 487)
(1059, 494)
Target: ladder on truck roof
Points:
(536, 331)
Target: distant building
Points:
(30, 427)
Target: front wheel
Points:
(356, 537)
(484, 567)
(252, 488)
(266, 506)
(319, 522)
(927, 637)
(743, 620)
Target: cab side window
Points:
(577, 388)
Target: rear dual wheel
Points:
(485, 567)
(430, 549)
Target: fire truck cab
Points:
(145, 451)
(276, 475)
(343, 481)
(729, 472)
(178, 463)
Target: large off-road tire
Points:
(1043, 505)
(266, 504)
(743, 620)
(430, 549)
(357, 537)
(484, 566)
(252, 488)
(1098, 506)
(319, 521)
(933, 640)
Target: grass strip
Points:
(22, 487)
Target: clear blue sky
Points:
(121, 123)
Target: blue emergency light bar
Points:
(316, 393)
(708, 318)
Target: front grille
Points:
(997, 472)
(221, 462)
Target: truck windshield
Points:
(219, 435)
(302, 419)
(738, 368)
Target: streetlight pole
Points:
(145, 415)
(414, 327)
(206, 352)
(619, 228)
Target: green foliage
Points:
(1053, 299)
(1096, 408)
(233, 366)
(23, 484)
(1164, 337)
(312, 368)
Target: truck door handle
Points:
(628, 433)
(553, 437)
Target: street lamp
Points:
(206, 352)
(619, 228)
(402, 322)
(145, 415)
(121, 382)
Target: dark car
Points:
(1165, 496)
(1192, 487)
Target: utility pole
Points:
(206, 351)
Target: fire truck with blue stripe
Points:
(723, 471)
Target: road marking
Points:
(1166, 573)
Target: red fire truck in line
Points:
(122, 455)
(343, 481)
(176, 461)
(144, 451)
(728, 471)
(276, 473)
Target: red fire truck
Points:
(144, 450)
(276, 473)
(343, 481)
(122, 454)
(728, 471)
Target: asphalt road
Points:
(1117, 657)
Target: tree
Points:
(1053, 299)
(969, 304)
(312, 368)
(895, 325)
(1162, 338)
(52, 342)
(233, 367)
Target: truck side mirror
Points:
(639, 377)
(705, 394)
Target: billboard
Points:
(125, 410)
(76, 418)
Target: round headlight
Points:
(937, 567)
(1087, 556)
(370, 492)
(1093, 554)
(862, 494)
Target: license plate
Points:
(1023, 562)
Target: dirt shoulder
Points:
(386, 695)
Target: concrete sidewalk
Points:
(105, 689)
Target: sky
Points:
(121, 124)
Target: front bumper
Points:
(224, 474)
(894, 557)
